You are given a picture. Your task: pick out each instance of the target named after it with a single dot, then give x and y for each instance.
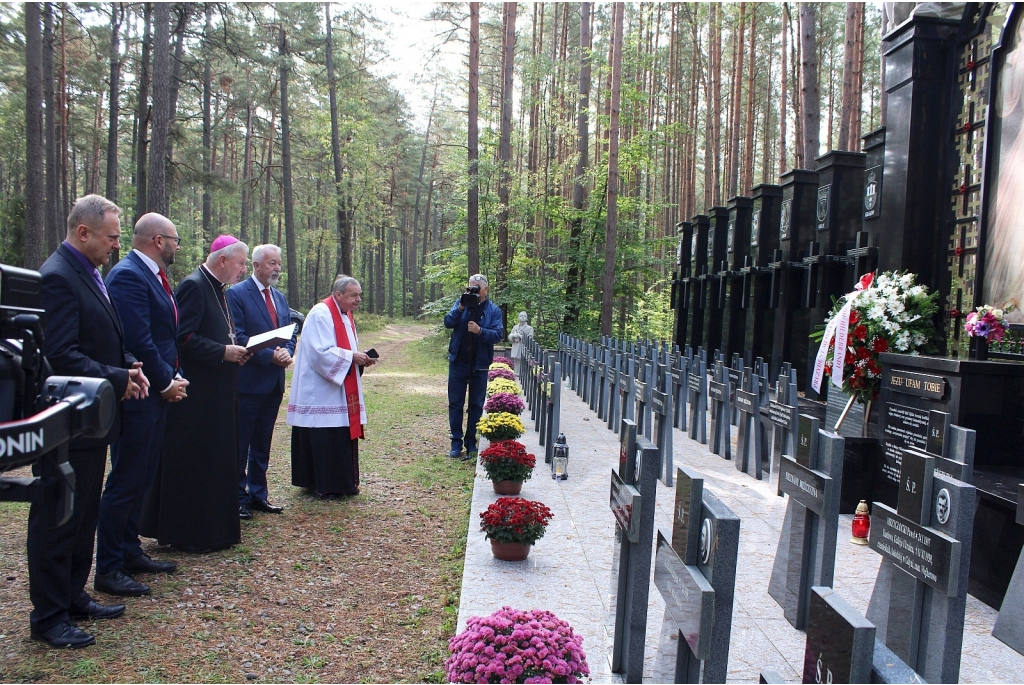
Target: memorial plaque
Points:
(824, 193)
(910, 428)
(755, 225)
(693, 381)
(689, 597)
(787, 219)
(730, 240)
(918, 384)
(686, 534)
(624, 501)
(782, 415)
(716, 391)
(745, 401)
(806, 486)
(872, 192)
(734, 377)
(915, 496)
(938, 428)
(806, 439)
(928, 555)
(840, 642)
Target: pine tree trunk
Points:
(35, 209)
(172, 108)
(810, 93)
(735, 108)
(207, 126)
(608, 280)
(716, 112)
(473, 201)
(574, 277)
(783, 92)
(267, 170)
(286, 171)
(246, 162)
(142, 115)
(344, 240)
(748, 148)
(156, 197)
(416, 210)
(53, 200)
(116, 15)
(505, 142)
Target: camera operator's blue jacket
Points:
(491, 331)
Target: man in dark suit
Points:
(139, 287)
(257, 307)
(193, 503)
(83, 337)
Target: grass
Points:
(324, 592)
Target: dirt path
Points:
(364, 589)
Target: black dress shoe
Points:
(64, 635)
(146, 564)
(119, 583)
(96, 611)
(264, 505)
(244, 513)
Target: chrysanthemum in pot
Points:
(508, 464)
(513, 525)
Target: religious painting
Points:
(1004, 244)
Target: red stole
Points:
(355, 425)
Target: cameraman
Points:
(477, 326)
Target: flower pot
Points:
(979, 348)
(510, 551)
(507, 487)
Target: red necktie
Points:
(270, 306)
(167, 289)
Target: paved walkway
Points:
(569, 570)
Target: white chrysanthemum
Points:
(902, 341)
(916, 291)
(895, 305)
(906, 280)
(877, 311)
(919, 339)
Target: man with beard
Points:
(139, 288)
(193, 503)
(258, 307)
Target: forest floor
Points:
(364, 589)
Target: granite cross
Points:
(920, 593)
(806, 554)
(633, 488)
(695, 570)
(750, 442)
(697, 388)
(718, 393)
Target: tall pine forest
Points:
(557, 158)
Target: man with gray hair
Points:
(84, 336)
(258, 307)
(193, 504)
(326, 409)
(477, 325)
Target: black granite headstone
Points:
(1009, 625)
(840, 642)
(764, 240)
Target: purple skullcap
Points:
(222, 241)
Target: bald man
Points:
(140, 290)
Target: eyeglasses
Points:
(177, 241)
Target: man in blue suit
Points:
(257, 307)
(139, 288)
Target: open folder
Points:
(279, 337)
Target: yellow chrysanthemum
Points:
(503, 385)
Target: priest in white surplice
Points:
(326, 408)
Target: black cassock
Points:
(194, 502)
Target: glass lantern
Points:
(560, 459)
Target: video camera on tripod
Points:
(40, 414)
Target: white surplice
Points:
(318, 380)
